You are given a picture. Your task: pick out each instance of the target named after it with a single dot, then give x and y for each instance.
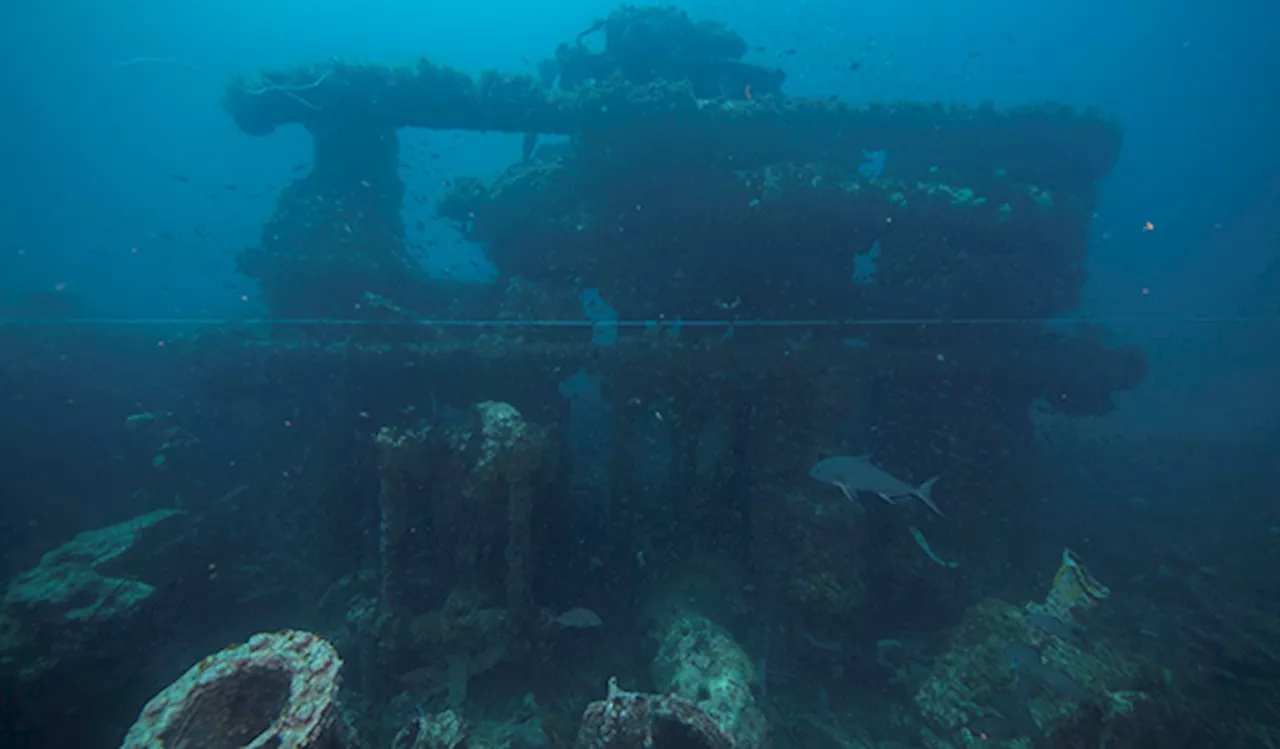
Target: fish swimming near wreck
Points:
(858, 474)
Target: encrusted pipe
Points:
(276, 690)
(631, 720)
(701, 662)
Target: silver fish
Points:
(579, 618)
(857, 474)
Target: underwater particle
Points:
(873, 163)
(1146, 291)
(1148, 226)
(962, 196)
(864, 265)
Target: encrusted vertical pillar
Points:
(524, 460)
(335, 244)
(622, 456)
(397, 449)
(480, 480)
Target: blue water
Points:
(129, 194)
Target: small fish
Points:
(855, 65)
(178, 178)
(579, 618)
(857, 474)
(787, 52)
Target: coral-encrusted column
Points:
(474, 482)
(397, 451)
(510, 453)
(335, 245)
